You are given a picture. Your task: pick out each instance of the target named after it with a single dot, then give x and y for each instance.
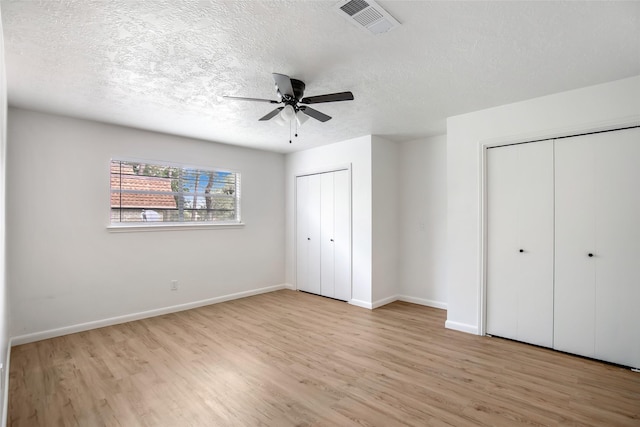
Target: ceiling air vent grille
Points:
(354, 6)
(367, 15)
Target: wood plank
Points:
(291, 359)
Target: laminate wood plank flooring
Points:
(292, 359)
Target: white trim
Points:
(561, 132)
(321, 170)
(603, 126)
(405, 298)
(423, 301)
(462, 327)
(170, 164)
(384, 301)
(51, 333)
(360, 303)
(482, 244)
(289, 286)
(163, 226)
(5, 396)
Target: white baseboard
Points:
(405, 298)
(360, 303)
(5, 388)
(462, 327)
(289, 286)
(384, 301)
(423, 301)
(66, 330)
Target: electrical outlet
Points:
(174, 285)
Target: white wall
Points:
(423, 221)
(4, 306)
(357, 153)
(385, 220)
(562, 113)
(65, 268)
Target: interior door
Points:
(520, 242)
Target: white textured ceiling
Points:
(164, 65)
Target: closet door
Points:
(575, 270)
(308, 233)
(342, 235)
(323, 234)
(598, 246)
(327, 279)
(617, 237)
(520, 242)
(335, 236)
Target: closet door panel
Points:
(617, 255)
(536, 239)
(326, 235)
(520, 242)
(502, 242)
(313, 206)
(575, 274)
(302, 225)
(342, 235)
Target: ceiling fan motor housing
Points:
(298, 92)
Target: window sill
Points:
(125, 228)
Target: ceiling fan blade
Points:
(271, 115)
(284, 84)
(315, 114)
(239, 98)
(332, 97)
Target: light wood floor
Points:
(293, 359)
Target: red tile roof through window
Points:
(130, 181)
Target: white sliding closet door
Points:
(520, 242)
(308, 233)
(598, 213)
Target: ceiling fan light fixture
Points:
(279, 120)
(288, 113)
(301, 118)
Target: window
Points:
(156, 193)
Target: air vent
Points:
(367, 15)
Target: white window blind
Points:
(161, 193)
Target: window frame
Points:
(169, 226)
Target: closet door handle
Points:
(308, 238)
(521, 250)
(590, 255)
(331, 240)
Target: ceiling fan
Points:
(290, 93)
